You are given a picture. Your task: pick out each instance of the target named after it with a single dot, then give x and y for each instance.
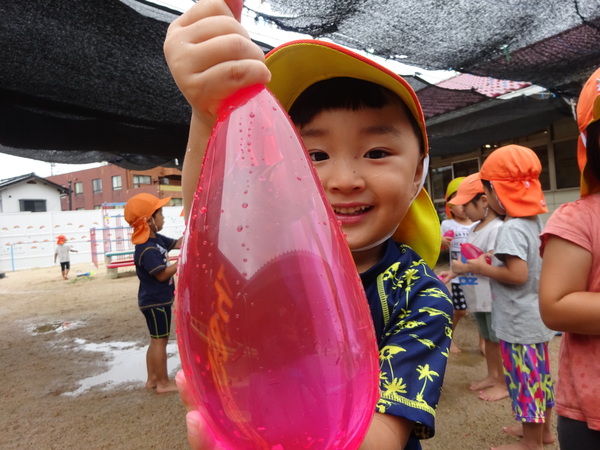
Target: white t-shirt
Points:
(63, 252)
(476, 288)
(460, 236)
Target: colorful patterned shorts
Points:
(527, 376)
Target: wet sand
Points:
(61, 387)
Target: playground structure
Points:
(116, 240)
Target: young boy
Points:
(62, 252)
(156, 292)
(510, 182)
(364, 131)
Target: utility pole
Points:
(70, 196)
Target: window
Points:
(78, 188)
(141, 179)
(116, 183)
(465, 168)
(32, 205)
(97, 185)
(440, 177)
(565, 161)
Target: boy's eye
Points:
(376, 154)
(318, 156)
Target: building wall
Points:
(556, 146)
(164, 182)
(29, 190)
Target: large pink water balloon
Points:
(274, 329)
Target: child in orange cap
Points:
(454, 232)
(155, 295)
(510, 177)
(570, 286)
(365, 133)
(62, 252)
(476, 288)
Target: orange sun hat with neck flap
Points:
(588, 112)
(138, 211)
(61, 239)
(297, 65)
(514, 173)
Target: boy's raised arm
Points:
(210, 56)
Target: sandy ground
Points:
(60, 391)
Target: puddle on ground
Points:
(56, 326)
(126, 363)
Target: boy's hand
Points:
(199, 435)
(459, 267)
(446, 276)
(211, 56)
(446, 240)
(477, 265)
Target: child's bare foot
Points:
(487, 382)
(494, 393)
(516, 430)
(454, 348)
(171, 386)
(150, 385)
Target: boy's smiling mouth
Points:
(350, 210)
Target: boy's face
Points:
(370, 166)
(159, 220)
(476, 210)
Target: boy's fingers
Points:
(205, 29)
(235, 6)
(206, 8)
(184, 391)
(194, 433)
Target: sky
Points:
(12, 166)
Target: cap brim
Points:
(162, 202)
(463, 199)
(297, 65)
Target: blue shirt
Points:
(150, 258)
(412, 313)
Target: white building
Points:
(30, 193)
